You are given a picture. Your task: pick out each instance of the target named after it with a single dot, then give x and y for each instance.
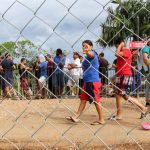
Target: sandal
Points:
(68, 117)
(97, 123)
(148, 111)
(143, 114)
(72, 119)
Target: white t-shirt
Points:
(65, 69)
(76, 70)
(81, 71)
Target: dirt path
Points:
(42, 124)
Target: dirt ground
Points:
(41, 124)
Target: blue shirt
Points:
(146, 49)
(43, 69)
(90, 68)
(7, 66)
(57, 61)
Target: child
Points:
(92, 84)
(124, 78)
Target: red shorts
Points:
(91, 92)
(24, 84)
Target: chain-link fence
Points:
(40, 94)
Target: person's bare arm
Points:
(114, 66)
(146, 60)
(14, 67)
(73, 65)
(1, 68)
(69, 67)
(119, 52)
(22, 66)
(90, 54)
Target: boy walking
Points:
(124, 78)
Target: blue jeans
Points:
(58, 80)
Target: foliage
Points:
(21, 49)
(130, 19)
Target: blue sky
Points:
(46, 27)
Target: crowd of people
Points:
(61, 75)
(54, 77)
(80, 76)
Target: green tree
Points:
(7, 46)
(23, 48)
(130, 19)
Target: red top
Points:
(124, 63)
(50, 67)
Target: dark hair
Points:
(148, 43)
(88, 42)
(76, 53)
(22, 59)
(7, 54)
(48, 55)
(118, 40)
(101, 54)
(59, 51)
(80, 56)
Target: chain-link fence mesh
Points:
(33, 109)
